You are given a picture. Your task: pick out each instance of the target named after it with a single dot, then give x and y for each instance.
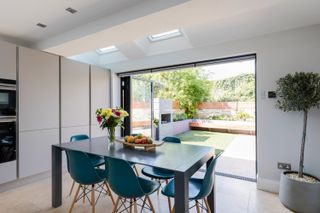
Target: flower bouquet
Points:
(110, 119)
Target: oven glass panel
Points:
(7, 103)
(4, 98)
(7, 141)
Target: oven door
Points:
(7, 141)
(7, 102)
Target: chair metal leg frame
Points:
(93, 200)
(121, 206)
(204, 205)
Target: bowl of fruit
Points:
(139, 140)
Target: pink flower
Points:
(117, 113)
(99, 118)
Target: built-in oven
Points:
(7, 139)
(7, 98)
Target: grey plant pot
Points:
(299, 196)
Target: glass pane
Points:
(141, 107)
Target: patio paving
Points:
(239, 158)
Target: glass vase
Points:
(111, 135)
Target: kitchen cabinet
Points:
(38, 90)
(8, 60)
(35, 151)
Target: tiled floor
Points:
(239, 158)
(232, 195)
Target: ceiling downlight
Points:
(71, 10)
(41, 25)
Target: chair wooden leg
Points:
(136, 170)
(172, 210)
(159, 181)
(93, 200)
(207, 205)
(110, 192)
(151, 205)
(135, 206)
(71, 188)
(130, 205)
(169, 200)
(84, 194)
(144, 202)
(114, 210)
(197, 206)
(75, 198)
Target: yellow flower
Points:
(106, 113)
(123, 113)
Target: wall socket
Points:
(284, 166)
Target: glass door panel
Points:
(141, 107)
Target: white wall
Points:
(115, 95)
(278, 133)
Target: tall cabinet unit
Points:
(38, 110)
(8, 169)
(100, 97)
(74, 99)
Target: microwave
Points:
(7, 97)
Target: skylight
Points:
(165, 35)
(106, 50)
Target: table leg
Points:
(181, 188)
(56, 170)
(211, 198)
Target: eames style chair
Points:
(129, 187)
(161, 174)
(95, 159)
(199, 189)
(89, 178)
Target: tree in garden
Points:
(237, 88)
(299, 92)
(186, 86)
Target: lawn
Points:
(205, 138)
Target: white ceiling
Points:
(127, 23)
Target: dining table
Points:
(185, 160)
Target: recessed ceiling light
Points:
(165, 35)
(41, 25)
(71, 10)
(106, 50)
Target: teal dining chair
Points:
(199, 189)
(95, 159)
(161, 174)
(128, 186)
(89, 178)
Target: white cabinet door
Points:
(100, 96)
(35, 151)
(74, 93)
(38, 90)
(66, 133)
(8, 60)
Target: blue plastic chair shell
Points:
(124, 182)
(198, 188)
(82, 170)
(95, 159)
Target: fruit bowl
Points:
(132, 142)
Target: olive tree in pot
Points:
(299, 92)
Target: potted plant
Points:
(299, 92)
